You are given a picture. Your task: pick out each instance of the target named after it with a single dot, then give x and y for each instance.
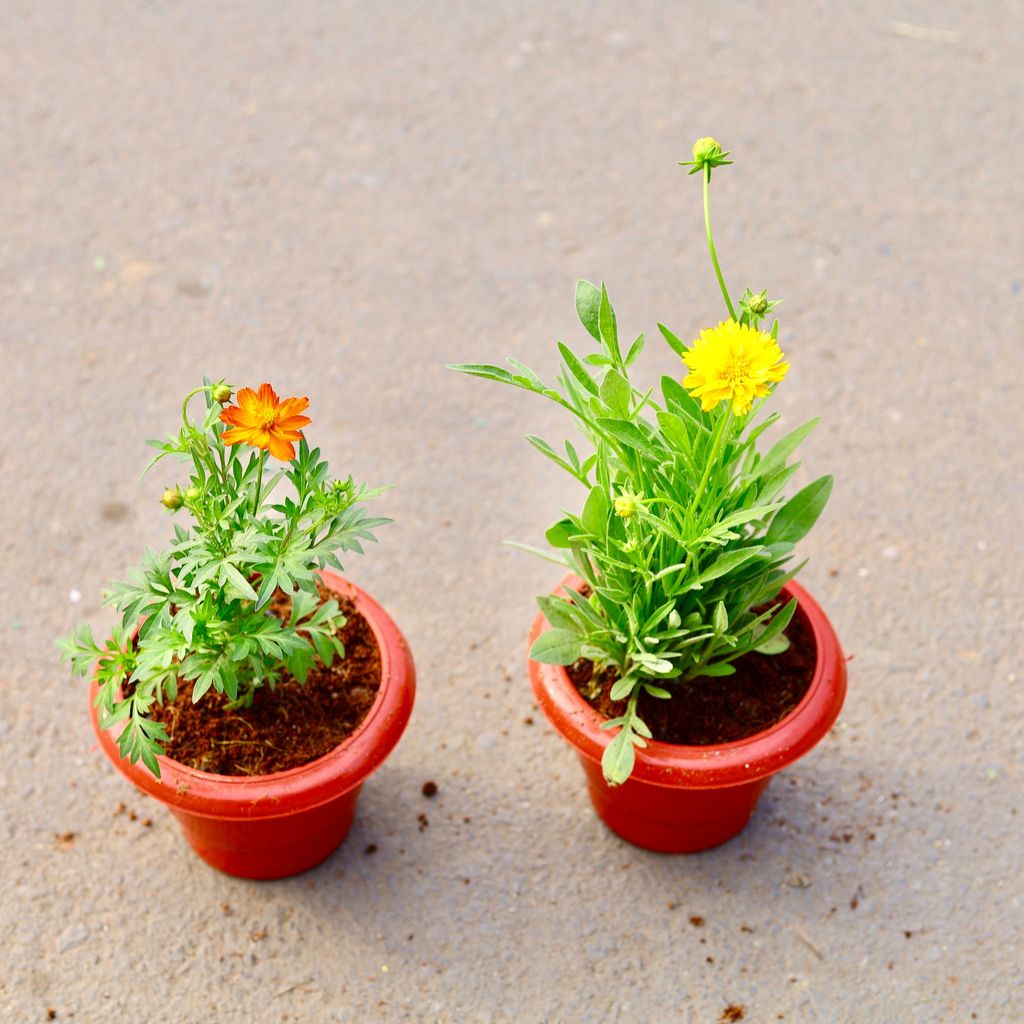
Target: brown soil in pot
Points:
(288, 726)
(708, 712)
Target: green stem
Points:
(711, 242)
(724, 422)
(184, 404)
(259, 484)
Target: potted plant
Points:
(248, 686)
(679, 656)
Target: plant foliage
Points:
(684, 537)
(201, 605)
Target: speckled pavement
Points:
(343, 197)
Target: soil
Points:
(712, 711)
(288, 726)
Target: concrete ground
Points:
(341, 198)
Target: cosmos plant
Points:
(197, 612)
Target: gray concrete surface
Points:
(342, 197)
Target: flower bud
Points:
(171, 499)
(626, 506)
(759, 304)
(706, 149)
(221, 392)
(192, 494)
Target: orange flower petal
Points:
(280, 448)
(267, 395)
(246, 398)
(235, 417)
(237, 435)
(293, 423)
(292, 407)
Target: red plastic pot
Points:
(682, 799)
(272, 826)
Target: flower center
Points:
(736, 368)
(267, 420)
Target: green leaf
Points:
(557, 647)
(799, 514)
(724, 564)
(782, 449)
(577, 369)
(655, 691)
(629, 434)
(558, 612)
(777, 645)
(588, 306)
(674, 429)
(722, 668)
(607, 326)
(773, 630)
(634, 350)
(544, 448)
(616, 393)
(559, 535)
(673, 342)
(622, 688)
(683, 402)
(720, 618)
(594, 516)
(618, 758)
(485, 370)
(237, 580)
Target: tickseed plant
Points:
(684, 538)
(203, 601)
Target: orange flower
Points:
(262, 420)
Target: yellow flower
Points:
(734, 363)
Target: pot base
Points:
(253, 848)
(671, 820)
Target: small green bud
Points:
(192, 494)
(706, 149)
(626, 506)
(707, 152)
(759, 304)
(171, 499)
(221, 392)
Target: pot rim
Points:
(712, 767)
(297, 789)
